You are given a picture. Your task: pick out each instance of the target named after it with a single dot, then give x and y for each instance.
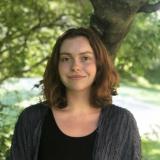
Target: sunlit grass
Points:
(150, 149)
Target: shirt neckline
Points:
(93, 133)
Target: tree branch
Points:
(27, 33)
(23, 71)
(36, 64)
(148, 8)
(4, 78)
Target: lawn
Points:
(150, 149)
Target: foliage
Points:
(141, 49)
(8, 116)
(14, 96)
(153, 74)
(28, 31)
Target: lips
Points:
(76, 77)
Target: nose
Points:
(75, 66)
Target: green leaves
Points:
(140, 51)
(28, 32)
(7, 115)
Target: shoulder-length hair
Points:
(105, 80)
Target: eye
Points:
(85, 58)
(64, 59)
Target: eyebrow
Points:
(81, 53)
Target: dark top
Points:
(117, 136)
(54, 144)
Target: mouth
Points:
(76, 77)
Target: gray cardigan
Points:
(117, 134)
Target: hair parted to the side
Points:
(106, 77)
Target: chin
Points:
(79, 89)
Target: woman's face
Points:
(77, 64)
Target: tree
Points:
(29, 28)
(140, 51)
(28, 31)
(112, 19)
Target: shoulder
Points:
(27, 130)
(34, 112)
(118, 115)
(118, 120)
(119, 128)
(117, 111)
(36, 108)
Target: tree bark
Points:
(112, 19)
(148, 8)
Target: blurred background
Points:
(28, 30)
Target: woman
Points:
(78, 120)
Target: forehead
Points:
(76, 45)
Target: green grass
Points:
(150, 149)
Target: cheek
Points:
(62, 69)
(91, 68)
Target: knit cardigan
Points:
(117, 134)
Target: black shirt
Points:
(55, 145)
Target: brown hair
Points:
(106, 77)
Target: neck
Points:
(78, 101)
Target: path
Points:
(146, 114)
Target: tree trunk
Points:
(113, 18)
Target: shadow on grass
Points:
(150, 149)
(153, 75)
(135, 84)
